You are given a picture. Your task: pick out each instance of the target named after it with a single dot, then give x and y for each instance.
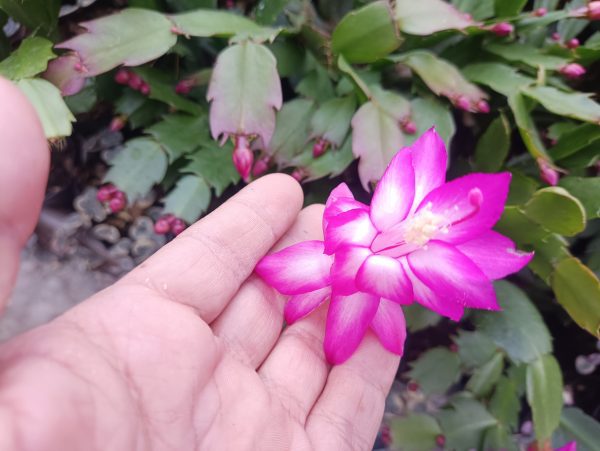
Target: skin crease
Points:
(187, 351)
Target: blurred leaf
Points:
(464, 423)
(244, 91)
(586, 157)
(485, 377)
(549, 251)
(366, 34)
(479, 9)
(186, 5)
(522, 188)
(544, 395)
(435, 370)
(148, 113)
(576, 425)
(391, 102)
(587, 190)
(493, 146)
(189, 199)
(500, 77)
(129, 102)
(332, 163)
(161, 89)
(267, 11)
(474, 348)
(137, 168)
(526, 54)
(427, 112)
(577, 289)
(49, 105)
(207, 22)
(331, 121)
(214, 164)
(519, 227)
(291, 130)
(569, 104)
(28, 60)
(180, 133)
(418, 317)
(36, 15)
(545, 204)
(574, 140)
(425, 17)
(505, 404)
(508, 8)
(518, 329)
(358, 81)
(415, 432)
(83, 101)
(289, 55)
(316, 85)
(526, 126)
(498, 437)
(130, 37)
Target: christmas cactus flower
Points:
(421, 239)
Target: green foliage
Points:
(436, 370)
(28, 60)
(416, 432)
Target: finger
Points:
(348, 413)
(251, 323)
(24, 163)
(296, 370)
(205, 266)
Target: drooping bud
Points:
(145, 88)
(408, 127)
(135, 81)
(502, 29)
(117, 123)
(482, 106)
(185, 86)
(242, 156)
(556, 36)
(106, 192)
(261, 166)
(572, 71)
(118, 202)
(453, 347)
(412, 386)
(299, 174)
(440, 440)
(573, 43)
(320, 147)
(547, 173)
(122, 76)
(178, 226)
(462, 103)
(386, 436)
(540, 12)
(476, 197)
(162, 226)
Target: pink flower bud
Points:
(483, 107)
(106, 192)
(162, 226)
(122, 77)
(178, 226)
(547, 173)
(299, 174)
(409, 127)
(440, 440)
(184, 87)
(572, 71)
(135, 81)
(573, 43)
(117, 123)
(556, 36)
(412, 386)
(462, 103)
(540, 12)
(118, 202)
(242, 157)
(261, 166)
(593, 10)
(145, 88)
(320, 147)
(502, 29)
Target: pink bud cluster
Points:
(408, 126)
(169, 223)
(185, 86)
(547, 173)
(117, 123)
(463, 103)
(133, 80)
(572, 71)
(501, 29)
(243, 157)
(116, 199)
(320, 147)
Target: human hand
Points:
(187, 351)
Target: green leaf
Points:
(28, 60)
(569, 104)
(498, 437)
(577, 289)
(464, 423)
(189, 199)
(36, 15)
(267, 11)
(544, 395)
(83, 101)
(418, 317)
(505, 404)
(391, 102)
(501, 78)
(522, 188)
(131, 37)
(208, 22)
(48, 103)
(485, 377)
(508, 8)
(291, 131)
(474, 348)
(574, 140)
(549, 251)
(519, 227)
(427, 112)
(426, 17)
(576, 425)
(479, 9)
(161, 89)
(245, 91)
(544, 208)
(436, 370)
(526, 54)
(526, 126)
(180, 133)
(493, 146)
(518, 329)
(214, 164)
(138, 167)
(442, 77)
(415, 432)
(587, 190)
(331, 121)
(366, 34)
(358, 81)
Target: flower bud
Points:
(106, 192)
(122, 77)
(118, 202)
(573, 43)
(440, 440)
(145, 88)
(502, 29)
(162, 226)
(593, 10)
(178, 226)
(320, 147)
(463, 103)
(408, 127)
(299, 174)
(117, 123)
(556, 36)
(540, 12)
(135, 81)
(261, 166)
(547, 173)
(242, 157)
(483, 107)
(184, 87)
(572, 71)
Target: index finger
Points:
(205, 265)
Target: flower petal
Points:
(429, 160)
(389, 326)
(394, 194)
(453, 276)
(495, 254)
(454, 202)
(351, 227)
(340, 200)
(297, 269)
(431, 300)
(383, 276)
(301, 305)
(348, 319)
(347, 261)
(339, 192)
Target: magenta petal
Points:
(571, 446)
(348, 319)
(301, 305)
(383, 276)
(339, 192)
(431, 300)
(453, 276)
(394, 194)
(297, 269)
(339, 201)
(389, 326)
(351, 227)
(454, 202)
(347, 261)
(429, 160)
(495, 254)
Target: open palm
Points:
(188, 351)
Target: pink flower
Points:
(421, 239)
(572, 71)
